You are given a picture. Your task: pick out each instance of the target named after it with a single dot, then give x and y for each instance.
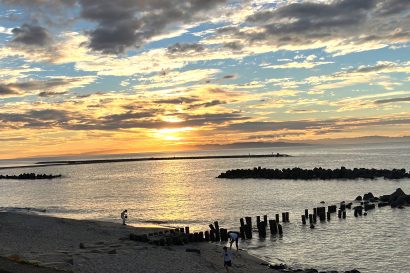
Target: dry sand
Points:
(54, 243)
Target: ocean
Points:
(187, 193)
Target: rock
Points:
(311, 270)
(322, 202)
(278, 266)
(368, 196)
(359, 198)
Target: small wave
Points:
(23, 210)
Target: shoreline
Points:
(52, 242)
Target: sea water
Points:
(187, 193)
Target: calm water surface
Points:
(186, 192)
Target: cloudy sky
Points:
(122, 76)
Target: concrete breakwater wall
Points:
(315, 174)
(30, 176)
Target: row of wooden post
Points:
(274, 226)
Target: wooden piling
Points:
(262, 230)
(273, 226)
(328, 216)
(242, 232)
(344, 214)
(207, 237)
(248, 231)
(283, 217)
(303, 220)
(280, 230)
(248, 221)
(306, 213)
(242, 222)
(287, 216)
(217, 234)
(186, 230)
(277, 217)
(311, 219)
(258, 220)
(224, 234)
(265, 220)
(339, 214)
(212, 235)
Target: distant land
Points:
(241, 145)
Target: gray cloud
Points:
(6, 90)
(31, 35)
(123, 24)
(306, 23)
(183, 48)
(392, 100)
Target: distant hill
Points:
(360, 140)
(241, 145)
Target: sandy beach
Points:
(55, 243)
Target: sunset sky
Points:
(127, 76)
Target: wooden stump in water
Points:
(283, 217)
(242, 232)
(248, 231)
(201, 236)
(328, 216)
(212, 235)
(186, 230)
(287, 216)
(311, 219)
(277, 217)
(258, 220)
(273, 226)
(280, 230)
(303, 220)
(248, 221)
(339, 214)
(217, 234)
(265, 220)
(306, 213)
(344, 214)
(207, 237)
(242, 222)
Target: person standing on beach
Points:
(227, 259)
(234, 237)
(124, 216)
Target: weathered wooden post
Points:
(248, 227)
(265, 220)
(273, 226)
(242, 222)
(283, 217)
(207, 237)
(258, 220)
(212, 235)
(303, 220)
(201, 236)
(339, 214)
(181, 230)
(277, 217)
(280, 230)
(187, 230)
(242, 232)
(344, 214)
(328, 215)
(311, 219)
(248, 221)
(287, 216)
(306, 213)
(261, 230)
(217, 234)
(224, 234)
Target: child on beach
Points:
(124, 216)
(234, 237)
(227, 259)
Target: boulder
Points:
(368, 196)
(359, 198)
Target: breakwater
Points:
(315, 174)
(30, 176)
(101, 161)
